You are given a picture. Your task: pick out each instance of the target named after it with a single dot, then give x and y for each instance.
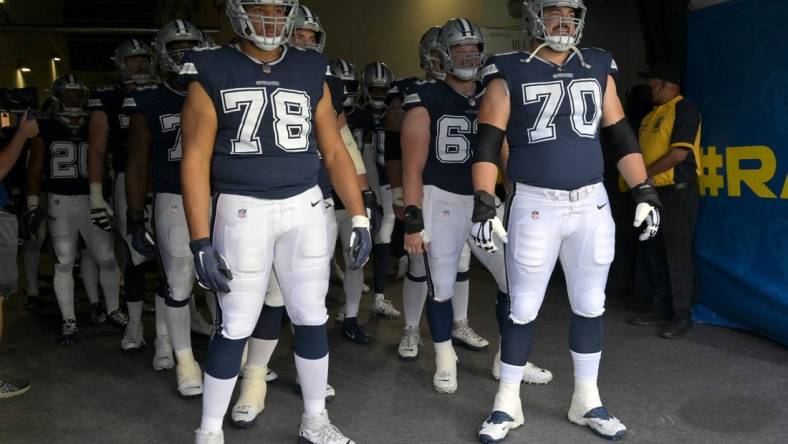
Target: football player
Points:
(251, 135)
(543, 111)
(154, 143)
(60, 151)
(108, 128)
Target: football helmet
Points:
(69, 97)
(460, 31)
(276, 29)
(172, 32)
(376, 80)
(536, 24)
(427, 46)
(345, 71)
(139, 75)
(306, 19)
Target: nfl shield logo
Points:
(242, 213)
(535, 214)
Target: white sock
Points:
(135, 311)
(215, 400)
(64, 292)
(178, 327)
(90, 276)
(512, 374)
(444, 347)
(507, 399)
(161, 323)
(413, 296)
(379, 297)
(459, 303)
(109, 277)
(586, 371)
(313, 376)
(260, 352)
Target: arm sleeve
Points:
(686, 126)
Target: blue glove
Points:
(141, 239)
(360, 243)
(211, 268)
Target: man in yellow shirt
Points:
(670, 143)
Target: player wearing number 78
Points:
(551, 104)
(254, 117)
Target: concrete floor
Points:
(712, 386)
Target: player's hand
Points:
(141, 239)
(647, 210)
(100, 212)
(417, 243)
(28, 125)
(374, 210)
(33, 218)
(486, 222)
(211, 268)
(360, 243)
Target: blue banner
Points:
(737, 72)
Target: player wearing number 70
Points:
(60, 152)
(253, 120)
(550, 103)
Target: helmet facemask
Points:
(136, 63)
(70, 98)
(464, 60)
(266, 30)
(175, 39)
(545, 22)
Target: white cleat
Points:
(199, 325)
(598, 419)
(189, 377)
(118, 319)
(340, 315)
(271, 376)
(201, 437)
(319, 430)
(532, 374)
(445, 378)
(330, 392)
(462, 334)
(507, 415)
(409, 344)
(251, 400)
(163, 359)
(385, 309)
(133, 337)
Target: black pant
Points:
(670, 255)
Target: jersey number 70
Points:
(583, 94)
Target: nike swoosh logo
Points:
(599, 207)
(314, 204)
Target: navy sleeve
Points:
(195, 69)
(416, 96)
(492, 70)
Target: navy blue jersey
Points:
(399, 87)
(453, 123)
(379, 145)
(110, 100)
(265, 144)
(336, 87)
(65, 157)
(553, 129)
(161, 105)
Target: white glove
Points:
(650, 215)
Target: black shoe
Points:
(352, 331)
(31, 302)
(97, 315)
(677, 327)
(650, 318)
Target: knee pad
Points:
(240, 311)
(524, 309)
(180, 278)
(310, 341)
(108, 264)
(170, 301)
(269, 323)
(585, 334)
(64, 267)
(587, 298)
(224, 357)
(516, 342)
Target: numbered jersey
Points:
(553, 130)
(265, 144)
(161, 105)
(65, 157)
(399, 87)
(379, 145)
(453, 123)
(110, 100)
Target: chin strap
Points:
(571, 48)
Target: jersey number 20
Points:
(67, 160)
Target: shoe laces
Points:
(69, 327)
(329, 433)
(412, 338)
(468, 332)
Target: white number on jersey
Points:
(452, 144)
(582, 94)
(169, 123)
(68, 161)
(292, 118)
(379, 144)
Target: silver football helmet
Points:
(276, 29)
(427, 46)
(376, 80)
(306, 19)
(465, 65)
(69, 97)
(345, 71)
(559, 33)
(138, 73)
(175, 31)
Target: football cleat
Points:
(462, 334)
(118, 319)
(599, 420)
(133, 338)
(351, 330)
(445, 378)
(251, 400)
(497, 426)
(319, 430)
(163, 359)
(409, 344)
(9, 389)
(97, 315)
(189, 379)
(340, 315)
(532, 374)
(201, 437)
(384, 309)
(271, 376)
(68, 332)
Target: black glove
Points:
(374, 210)
(647, 210)
(141, 238)
(211, 268)
(486, 222)
(33, 218)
